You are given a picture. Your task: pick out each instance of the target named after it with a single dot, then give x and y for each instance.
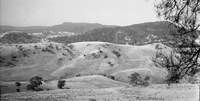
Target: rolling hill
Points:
(55, 60)
(16, 37)
(137, 34)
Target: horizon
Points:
(87, 23)
(25, 13)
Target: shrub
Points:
(61, 84)
(18, 90)
(38, 89)
(147, 78)
(92, 100)
(78, 75)
(103, 75)
(118, 55)
(18, 84)
(111, 77)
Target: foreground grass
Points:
(159, 92)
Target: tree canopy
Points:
(185, 18)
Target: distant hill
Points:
(16, 37)
(66, 26)
(76, 27)
(138, 34)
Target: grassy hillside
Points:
(83, 82)
(53, 60)
(181, 92)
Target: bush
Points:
(92, 100)
(136, 79)
(61, 84)
(111, 77)
(18, 90)
(78, 75)
(38, 89)
(118, 55)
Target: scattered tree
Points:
(18, 90)
(18, 84)
(185, 18)
(118, 55)
(61, 84)
(78, 75)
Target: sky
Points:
(52, 12)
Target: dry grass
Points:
(159, 92)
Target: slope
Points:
(54, 60)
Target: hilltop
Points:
(64, 27)
(17, 37)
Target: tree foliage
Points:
(61, 84)
(35, 82)
(18, 84)
(136, 79)
(185, 18)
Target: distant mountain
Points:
(16, 37)
(66, 26)
(76, 27)
(138, 34)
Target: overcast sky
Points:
(51, 12)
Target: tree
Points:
(78, 75)
(185, 18)
(111, 77)
(136, 79)
(35, 82)
(61, 84)
(18, 84)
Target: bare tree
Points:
(185, 18)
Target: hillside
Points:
(83, 82)
(137, 34)
(54, 60)
(15, 37)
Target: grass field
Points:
(156, 92)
